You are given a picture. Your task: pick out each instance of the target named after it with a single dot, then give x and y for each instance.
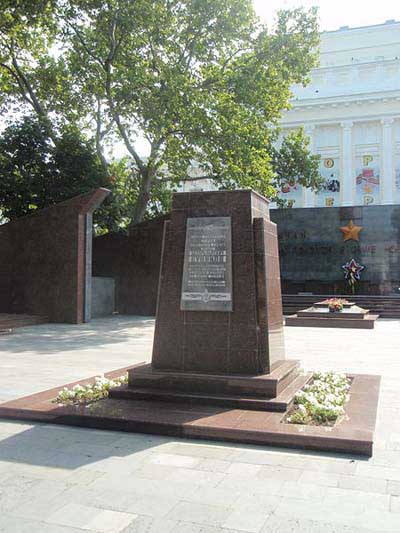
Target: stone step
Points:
(255, 386)
(280, 403)
(9, 321)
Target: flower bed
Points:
(89, 393)
(322, 401)
(335, 304)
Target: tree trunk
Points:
(33, 100)
(143, 198)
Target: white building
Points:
(351, 111)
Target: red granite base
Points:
(353, 433)
(282, 402)
(242, 385)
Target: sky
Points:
(336, 13)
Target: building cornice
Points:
(339, 121)
(356, 64)
(358, 29)
(343, 99)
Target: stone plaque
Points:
(207, 270)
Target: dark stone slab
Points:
(353, 433)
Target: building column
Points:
(387, 170)
(347, 185)
(309, 197)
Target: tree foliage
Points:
(28, 69)
(199, 80)
(35, 173)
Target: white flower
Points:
(323, 399)
(98, 390)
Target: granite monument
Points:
(219, 326)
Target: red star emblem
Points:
(352, 268)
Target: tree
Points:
(293, 162)
(200, 80)
(27, 67)
(35, 173)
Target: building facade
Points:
(351, 112)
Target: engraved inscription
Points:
(207, 271)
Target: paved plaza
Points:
(61, 479)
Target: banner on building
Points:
(367, 179)
(329, 195)
(292, 192)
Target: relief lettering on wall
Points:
(335, 249)
(292, 235)
(307, 249)
(368, 249)
(392, 248)
(207, 271)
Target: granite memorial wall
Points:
(311, 246)
(45, 261)
(315, 243)
(133, 261)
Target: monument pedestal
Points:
(219, 326)
(265, 392)
(256, 386)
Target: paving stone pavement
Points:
(58, 479)
(41, 357)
